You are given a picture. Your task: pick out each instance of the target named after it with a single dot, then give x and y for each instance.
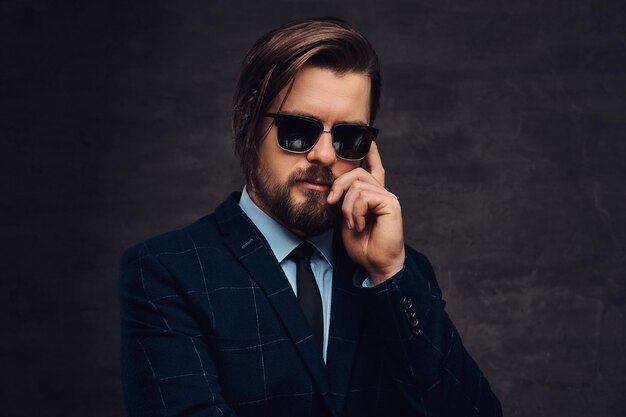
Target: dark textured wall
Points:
(502, 134)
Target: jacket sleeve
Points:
(430, 366)
(166, 365)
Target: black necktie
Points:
(308, 291)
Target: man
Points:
(234, 315)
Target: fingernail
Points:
(330, 195)
(349, 224)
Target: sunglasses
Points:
(299, 134)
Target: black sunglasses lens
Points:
(352, 142)
(296, 134)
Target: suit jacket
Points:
(211, 327)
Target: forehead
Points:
(327, 95)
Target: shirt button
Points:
(409, 313)
(407, 302)
(413, 322)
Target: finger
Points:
(361, 199)
(345, 181)
(375, 164)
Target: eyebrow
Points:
(312, 116)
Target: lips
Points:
(317, 185)
(317, 182)
(315, 177)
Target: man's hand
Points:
(372, 228)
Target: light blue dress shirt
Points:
(282, 242)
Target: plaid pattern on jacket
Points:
(211, 327)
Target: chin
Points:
(307, 197)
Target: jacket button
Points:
(407, 302)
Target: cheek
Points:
(341, 166)
(276, 162)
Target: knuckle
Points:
(395, 201)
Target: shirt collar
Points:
(282, 241)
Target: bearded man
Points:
(296, 296)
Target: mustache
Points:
(314, 173)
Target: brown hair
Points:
(274, 60)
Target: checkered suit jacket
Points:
(210, 327)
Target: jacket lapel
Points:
(346, 318)
(252, 250)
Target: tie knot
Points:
(303, 251)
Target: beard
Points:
(310, 217)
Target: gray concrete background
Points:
(502, 135)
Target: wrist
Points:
(380, 276)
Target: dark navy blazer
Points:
(211, 327)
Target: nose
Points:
(323, 152)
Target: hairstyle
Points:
(273, 61)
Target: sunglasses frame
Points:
(280, 116)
